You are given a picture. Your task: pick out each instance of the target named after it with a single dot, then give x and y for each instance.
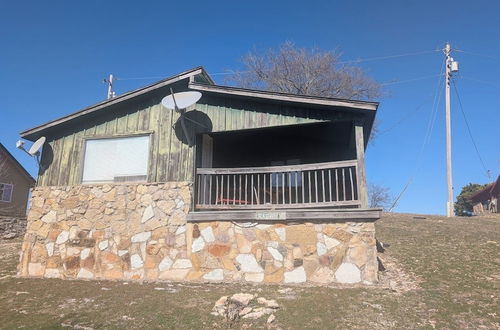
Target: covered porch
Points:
(304, 166)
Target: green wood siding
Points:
(170, 159)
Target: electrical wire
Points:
(341, 62)
(408, 80)
(469, 130)
(481, 81)
(477, 54)
(388, 57)
(427, 136)
(405, 117)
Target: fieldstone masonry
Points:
(139, 231)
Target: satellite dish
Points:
(180, 100)
(35, 148)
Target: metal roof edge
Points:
(327, 101)
(118, 99)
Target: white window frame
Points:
(112, 137)
(3, 191)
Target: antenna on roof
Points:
(109, 82)
(179, 102)
(34, 151)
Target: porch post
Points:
(360, 156)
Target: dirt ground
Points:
(441, 273)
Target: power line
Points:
(341, 62)
(408, 80)
(427, 136)
(406, 116)
(469, 130)
(481, 81)
(477, 54)
(388, 57)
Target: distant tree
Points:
(464, 206)
(289, 69)
(379, 196)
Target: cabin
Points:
(486, 200)
(15, 184)
(243, 185)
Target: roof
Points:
(209, 87)
(491, 190)
(18, 165)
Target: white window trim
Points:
(111, 137)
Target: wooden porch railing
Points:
(290, 186)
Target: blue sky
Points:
(55, 54)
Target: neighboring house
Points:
(486, 200)
(257, 186)
(15, 184)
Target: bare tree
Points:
(379, 196)
(289, 69)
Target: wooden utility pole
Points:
(451, 66)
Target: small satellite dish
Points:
(35, 148)
(180, 100)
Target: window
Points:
(116, 159)
(6, 192)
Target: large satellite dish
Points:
(35, 148)
(180, 100)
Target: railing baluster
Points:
(296, 174)
(210, 191)
(316, 185)
(289, 187)
(352, 184)
(239, 189)
(343, 181)
(222, 189)
(309, 184)
(199, 182)
(303, 188)
(264, 190)
(330, 183)
(204, 184)
(234, 189)
(258, 189)
(246, 187)
(283, 185)
(228, 192)
(336, 185)
(323, 184)
(251, 189)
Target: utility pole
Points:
(451, 66)
(109, 81)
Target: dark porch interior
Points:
(287, 145)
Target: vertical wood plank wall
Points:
(170, 159)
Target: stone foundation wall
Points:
(139, 231)
(12, 227)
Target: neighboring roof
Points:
(210, 87)
(118, 99)
(294, 98)
(491, 190)
(18, 165)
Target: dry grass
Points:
(443, 273)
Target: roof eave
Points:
(29, 133)
(303, 99)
